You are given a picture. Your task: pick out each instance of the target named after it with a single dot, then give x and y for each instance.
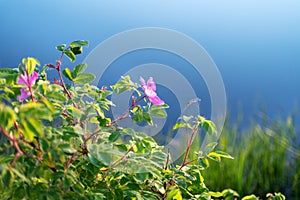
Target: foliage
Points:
(58, 143)
(266, 158)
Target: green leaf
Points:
(174, 194)
(224, 154)
(214, 156)
(79, 69)
(20, 175)
(7, 178)
(56, 96)
(31, 127)
(103, 121)
(68, 74)
(61, 47)
(156, 113)
(76, 50)
(148, 119)
(35, 110)
(79, 43)
(123, 85)
(215, 194)
(70, 55)
(104, 153)
(250, 197)
(7, 117)
(74, 112)
(84, 78)
(66, 182)
(164, 106)
(114, 136)
(7, 71)
(210, 147)
(203, 162)
(179, 125)
(209, 126)
(30, 64)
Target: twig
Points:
(15, 144)
(184, 163)
(122, 158)
(126, 114)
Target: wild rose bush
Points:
(57, 141)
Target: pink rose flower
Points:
(149, 89)
(29, 81)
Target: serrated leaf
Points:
(70, 55)
(61, 47)
(84, 78)
(79, 43)
(68, 74)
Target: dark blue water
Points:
(255, 44)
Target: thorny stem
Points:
(57, 67)
(58, 63)
(184, 163)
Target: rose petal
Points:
(151, 84)
(150, 93)
(142, 81)
(24, 94)
(22, 79)
(33, 78)
(156, 100)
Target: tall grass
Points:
(266, 159)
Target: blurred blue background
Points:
(255, 44)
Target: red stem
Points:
(14, 142)
(184, 163)
(58, 63)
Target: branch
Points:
(122, 158)
(184, 163)
(14, 142)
